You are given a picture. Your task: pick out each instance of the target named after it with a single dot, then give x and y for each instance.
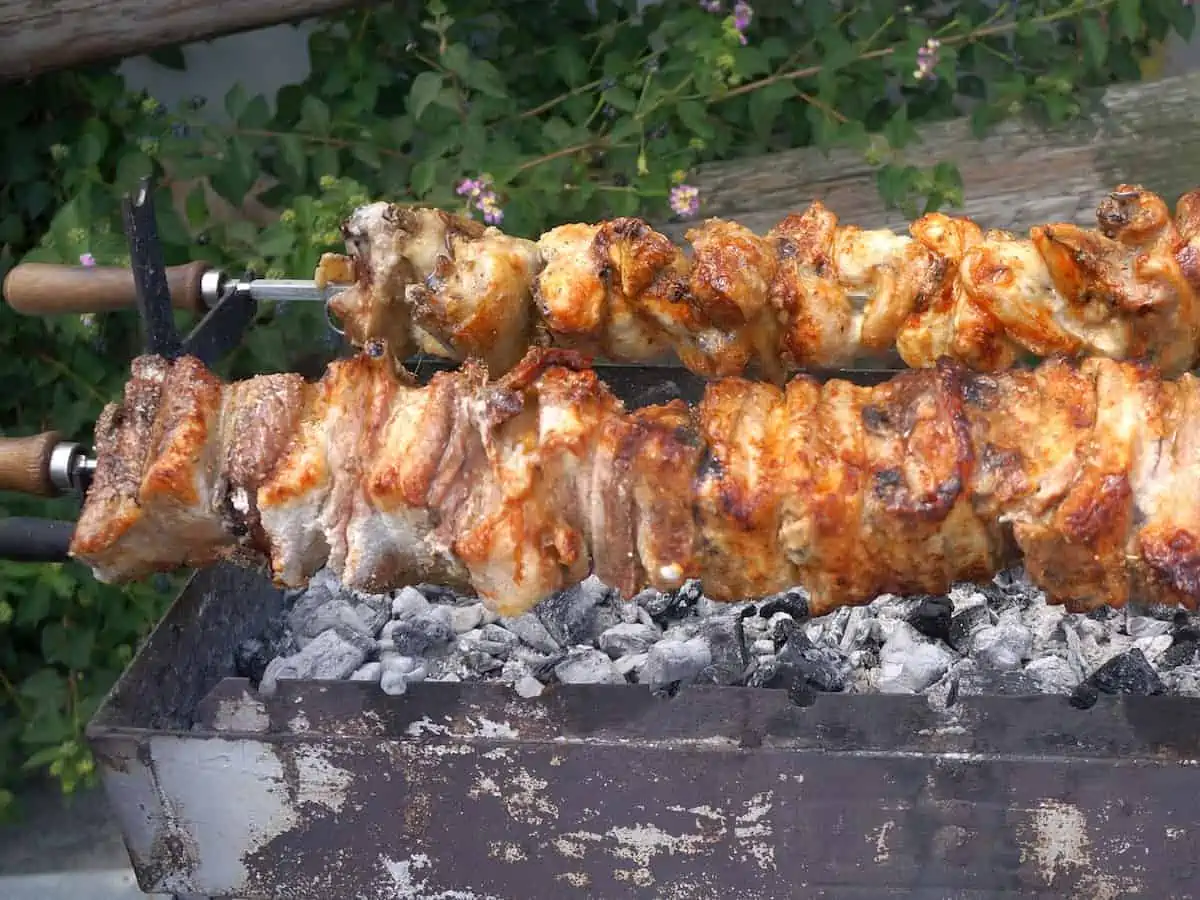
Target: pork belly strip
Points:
(521, 486)
(813, 293)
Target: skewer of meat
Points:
(811, 294)
(523, 485)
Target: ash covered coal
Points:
(995, 638)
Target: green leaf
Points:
(695, 118)
(293, 159)
(621, 98)
(1095, 42)
(33, 606)
(92, 143)
(236, 100)
(196, 207)
(899, 131)
(425, 89)
(325, 161)
(314, 116)
(425, 176)
(1129, 17)
(1182, 18)
(766, 105)
(256, 115)
(570, 65)
(132, 167)
(70, 646)
(275, 241)
(368, 155)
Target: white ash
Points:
(995, 638)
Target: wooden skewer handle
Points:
(45, 289)
(25, 464)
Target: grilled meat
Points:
(523, 485)
(810, 294)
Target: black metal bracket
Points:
(150, 273)
(224, 326)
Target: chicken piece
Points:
(812, 293)
(439, 283)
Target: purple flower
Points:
(927, 58)
(742, 14)
(480, 195)
(712, 6)
(87, 260)
(685, 200)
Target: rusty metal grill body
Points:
(466, 792)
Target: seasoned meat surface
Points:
(522, 485)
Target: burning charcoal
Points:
(373, 615)
(727, 666)
(966, 622)
(673, 604)
(333, 654)
(1053, 675)
(466, 618)
(763, 647)
(529, 628)
(527, 687)
(627, 665)
(909, 663)
(976, 679)
(802, 666)
(1003, 646)
(793, 601)
(932, 618)
(338, 612)
(367, 672)
(669, 661)
(399, 671)
(497, 634)
(250, 659)
(587, 666)
(419, 633)
(481, 663)
(623, 639)
(1147, 627)
(1184, 680)
(436, 593)
(1126, 673)
(1182, 652)
(579, 614)
(409, 602)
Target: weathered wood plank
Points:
(1018, 176)
(43, 35)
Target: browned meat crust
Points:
(521, 486)
(812, 293)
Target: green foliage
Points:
(556, 113)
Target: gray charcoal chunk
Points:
(670, 661)
(466, 618)
(909, 663)
(727, 666)
(1004, 646)
(328, 656)
(579, 614)
(1053, 675)
(418, 634)
(367, 672)
(626, 638)
(409, 602)
(528, 687)
(529, 628)
(587, 666)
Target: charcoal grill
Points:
(462, 791)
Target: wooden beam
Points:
(43, 35)
(1018, 176)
